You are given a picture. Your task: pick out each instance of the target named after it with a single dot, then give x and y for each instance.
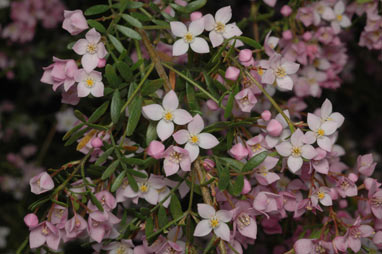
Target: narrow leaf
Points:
(255, 161)
(175, 207)
(110, 170)
(131, 20)
(116, 104)
(96, 9)
(118, 181)
(116, 43)
(128, 32)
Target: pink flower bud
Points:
(287, 35)
(101, 63)
(245, 55)
(239, 151)
(208, 164)
(274, 128)
(321, 153)
(74, 22)
(196, 15)
(41, 183)
(266, 115)
(307, 36)
(96, 142)
(247, 187)
(343, 203)
(10, 75)
(232, 73)
(31, 220)
(212, 105)
(353, 177)
(286, 10)
(155, 149)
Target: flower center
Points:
(244, 100)
(214, 222)
(320, 195)
(260, 71)
(339, 17)
(321, 132)
(176, 157)
(243, 220)
(355, 233)
(121, 250)
(219, 27)
(168, 116)
(188, 37)
(312, 81)
(280, 72)
(169, 250)
(91, 48)
(256, 147)
(194, 139)
(376, 202)
(89, 82)
(44, 230)
(59, 213)
(144, 188)
(296, 151)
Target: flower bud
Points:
(247, 187)
(245, 55)
(286, 10)
(212, 105)
(266, 115)
(239, 151)
(343, 203)
(307, 36)
(353, 177)
(274, 128)
(196, 15)
(321, 153)
(287, 35)
(208, 164)
(232, 73)
(31, 220)
(96, 142)
(155, 149)
(101, 63)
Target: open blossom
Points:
(65, 120)
(213, 220)
(89, 83)
(194, 139)
(263, 174)
(341, 20)
(322, 195)
(61, 72)
(327, 115)
(375, 200)
(278, 69)
(313, 246)
(45, 232)
(41, 183)
(74, 22)
(176, 157)
(189, 37)
(218, 27)
(100, 225)
(244, 219)
(91, 49)
(322, 10)
(366, 164)
(167, 115)
(295, 150)
(246, 100)
(75, 226)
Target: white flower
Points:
(340, 19)
(189, 37)
(89, 83)
(65, 120)
(219, 28)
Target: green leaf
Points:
(95, 201)
(224, 176)
(125, 70)
(149, 227)
(237, 186)
(70, 45)
(97, 25)
(192, 6)
(132, 182)
(96, 9)
(151, 86)
(135, 109)
(128, 32)
(137, 173)
(118, 181)
(151, 133)
(162, 217)
(238, 165)
(191, 99)
(131, 20)
(98, 112)
(255, 161)
(210, 85)
(175, 207)
(133, 5)
(80, 116)
(116, 43)
(110, 170)
(111, 76)
(115, 108)
(229, 106)
(104, 156)
(249, 42)
(76, 136)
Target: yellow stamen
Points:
(320, 195)
(296, 151)
(280, 72)
(194, 139)
(321, 132)
(220, 27)
(144, 188)
(339, 17)
(91, 48)
(188, 37)
(168, 116)
(89, 82)
(214, 222)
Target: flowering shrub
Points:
(197, 138)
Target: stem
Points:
(273, 102)
(192, 82)
(139, 54)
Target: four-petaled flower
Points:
(89, 83)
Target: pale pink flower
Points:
(312, 246)
(74, 22)
(305, 15)
(106, 199)
(218, 27)
(75, 226)
(322, 195)
(244, 219)
(246, 100)
(279, 69)
(272, 141)
(91, 49)
(270, 3)
(31, 220)
(213, 220)
(167, 115)
(327, 115)
(155, 149)
(239, 151)
(274, 128)
(256, 145)
(375, 200)
(89, 83)
(193, 138)
(296, 150)
(61, 72)
(65, 120)
(267, 202)
(322, 10)
(263, 174)
(176, 157)
(270, 43)
(41, 183)
(100, 225)
(189, 37)
(341, 20)
(346, 188)
(45, 232)
(366, 164)
(309, 82)
(320, 132)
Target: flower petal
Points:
(178, 28)
(203, 228)
(326, 109)
(268, 77)
(193, 151)
(223, 15)
(325, 143)
(196, 125)
(179, 48)
(170, 101)
(170, 167)
(284, 149)
(297, 138)
(206, 211)
(89, 62)
(181, 136)
(209, 22)
(308, 152)
(200, 45)
(153, 112)
(285, 83)
(165, 129)
(80, 46)
(181, 117)
(207, 141)
(290, 67)
(224, 215)
(93, 36)
(222, 231)
(216, 39)
(294, 163)
(82, 90)
(196, 27)
(314, 122)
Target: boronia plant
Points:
(201, 141)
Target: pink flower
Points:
(232, 73)
(61, 72)
(263, 174)
(244, 219)
(274, 128)
(155, 149)
(218, 27)
(239, 151)
(75, 226)
(375, 200)
(89, 83)
(366, 164)
(189, 37)
(267, 202)
(278, 69)
(91, 50)
(45, 232)
(286, 10)
(106, 199)
(246, 100)
(322, 10)
(59, 215)
(194, 138)
(100, 225)
(312, 246)
(41, 183)
(167, 115)
(74, 22)
(31, 220)
(213, 220)
(346, 188)
(270, 43)
(176, 157)
(340, 20)
(246, 58)
(305, 15)
(323, 196)
(295, 150)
